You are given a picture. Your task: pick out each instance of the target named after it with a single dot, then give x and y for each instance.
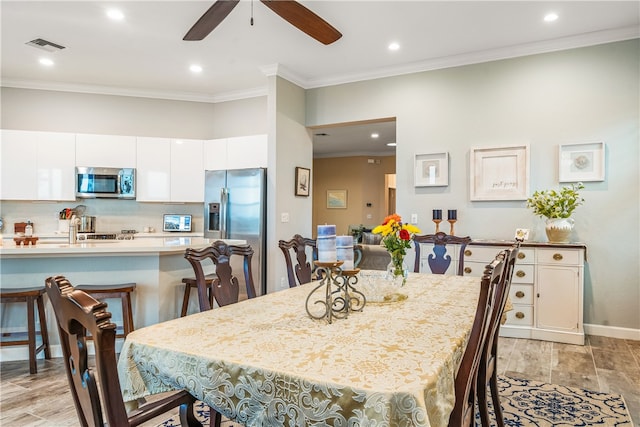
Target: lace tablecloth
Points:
(265, 362)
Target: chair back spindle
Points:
(225, 286)
(439, 261)
(303, 270)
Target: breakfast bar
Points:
(156, 265)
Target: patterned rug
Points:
(531, 404)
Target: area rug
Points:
(527, 403)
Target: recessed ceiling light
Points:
(46, 61)
(195, 68)
(550, 17)
(391, 144)
(394, 46)
(115, 14)
(375, 135)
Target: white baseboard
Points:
(612, 332)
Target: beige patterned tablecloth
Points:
(265, 362)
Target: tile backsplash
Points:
(111, 215)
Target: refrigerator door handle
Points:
(224, 203)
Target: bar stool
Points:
(190, 283)
(121, 291)
(30, 296)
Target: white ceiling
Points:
(144, 55)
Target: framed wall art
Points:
(431, 170)
(499, 173)
(581, 162)
(336, 199)
(303, 181)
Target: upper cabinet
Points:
(241, 152)
(153, 171)
(107, 151)
(37, 166)
(169, 170)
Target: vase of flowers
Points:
(396, 238)
(557, 207)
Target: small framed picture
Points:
(431, 170)
(581, 162)
(336, 199)
(303, 181)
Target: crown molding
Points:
(137, 93)
(547, 46)
(571, 42)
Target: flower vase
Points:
(397, 272)
(559, 229)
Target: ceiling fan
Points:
(291, 11)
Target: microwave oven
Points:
(107, 183)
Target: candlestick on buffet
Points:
(437, 221)
(452, 214)
(452, 221)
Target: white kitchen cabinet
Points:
(107, 151)
(546, 290)
(37, 165)
(153, 170)
(187, 171)
(170, 170)
(241, 152)
(215, 154)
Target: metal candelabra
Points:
(340, 294)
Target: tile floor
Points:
(603, 364)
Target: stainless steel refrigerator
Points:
(235, 207)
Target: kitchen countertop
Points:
(57, 247)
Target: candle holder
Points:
(340, 294)
(437, 221)
(452, 221)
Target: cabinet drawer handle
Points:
(468, 253)
(467, 270)
(557, 257)
(520, 273)
(520, 315)
(521, 255)
(520, 294)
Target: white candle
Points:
(326, 230)
(344, 251)
(326, 243)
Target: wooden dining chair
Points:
(303, 270)
(99, 400)
(463, 414)
(439, 260)
(225, 286)
(487, 371)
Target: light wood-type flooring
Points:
(603, 364)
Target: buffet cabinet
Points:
(546, 290)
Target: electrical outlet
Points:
(284, 217)
(414, 218)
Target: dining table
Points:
(267, 362)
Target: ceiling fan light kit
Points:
(291, 11)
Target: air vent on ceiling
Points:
(45, 45)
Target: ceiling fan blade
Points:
(304, 19)
(211, 19)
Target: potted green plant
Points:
(557, 207)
